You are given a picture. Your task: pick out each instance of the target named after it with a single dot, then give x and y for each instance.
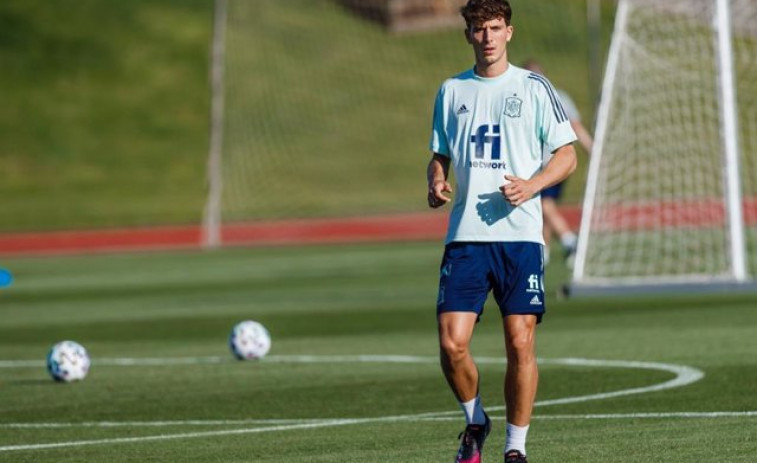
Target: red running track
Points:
(428, 226)
(703, 212)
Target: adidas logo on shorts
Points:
(535, 300)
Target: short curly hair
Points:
(480, 11)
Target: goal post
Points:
(211, 221)
(671, 194)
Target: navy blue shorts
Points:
(513, 271)
(553, 192)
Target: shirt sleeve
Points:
(554, 126)
(439, 143)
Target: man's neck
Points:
(492, 70)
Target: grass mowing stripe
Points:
(684, 374)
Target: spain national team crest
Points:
(512, 106)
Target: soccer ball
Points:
(249, 340)
(68, 361)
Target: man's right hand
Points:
(436, 197)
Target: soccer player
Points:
(554, 222)
(490, 124)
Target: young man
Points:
(490, 124)
(554, 222)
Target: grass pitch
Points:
(352, 374)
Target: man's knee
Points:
(521, 343)
(453, 349)
(520, 340)
(455, 332)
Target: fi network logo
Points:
(535, 284)
(484, 135)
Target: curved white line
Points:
(684, 375)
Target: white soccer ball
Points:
(249, 340)
(68, 361)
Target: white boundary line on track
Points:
(684, 375)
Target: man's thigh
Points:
(463, 279)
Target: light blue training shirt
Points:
(490, 127)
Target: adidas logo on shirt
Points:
(535, 300)
(462, 110)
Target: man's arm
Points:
(584, 137)
(562, 164)
(436, 175)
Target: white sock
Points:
(474, 412)
(516, 438)
(569, 240)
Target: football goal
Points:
(671, 196)
(322, 108)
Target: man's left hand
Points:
(517, 190)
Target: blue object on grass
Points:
(5, 278)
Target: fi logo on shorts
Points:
(535, 284)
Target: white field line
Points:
(159, 361)
(330, 422)
(633, 416)
(623, 416)
(228, 432)
(342, 422)
(162, 424)
(684, 375)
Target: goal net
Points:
(322, 108)
(671, 196)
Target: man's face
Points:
(489, 40)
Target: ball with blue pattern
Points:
(68, 361)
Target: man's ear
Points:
(467, 35)
(510, 31)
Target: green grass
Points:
(105, 123)
(348, 300)
(105, 117)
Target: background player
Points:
(554, 222)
